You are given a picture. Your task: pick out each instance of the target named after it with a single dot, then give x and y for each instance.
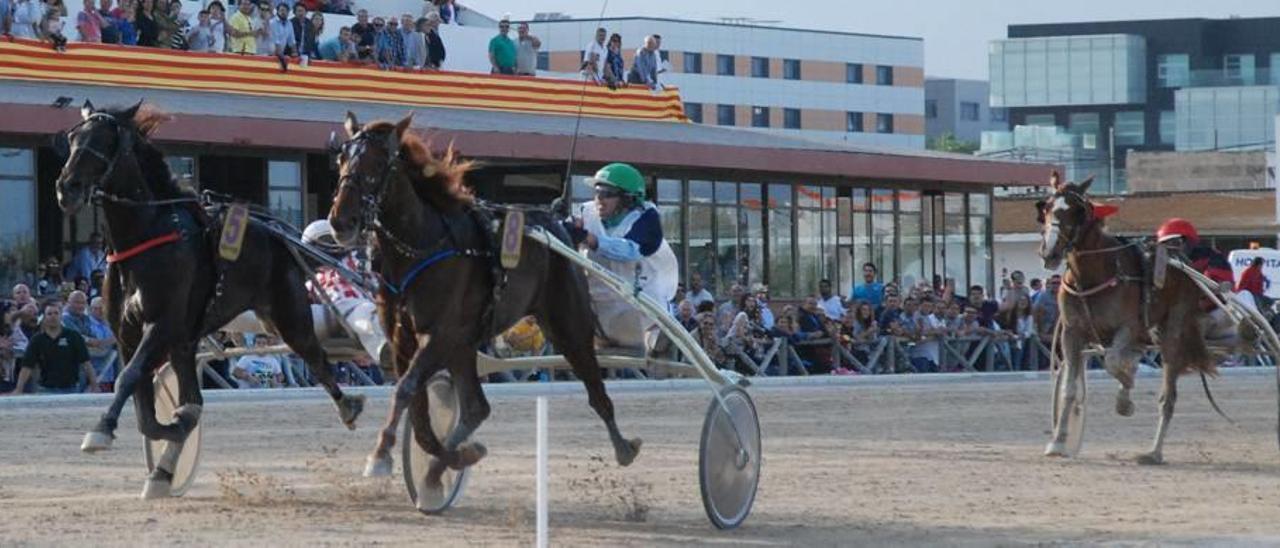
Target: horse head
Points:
(92, 149)
(366, 160)
(1062, 216)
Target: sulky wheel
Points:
(1075, 419)
(443, 404)
(166, 387)
(729, 458)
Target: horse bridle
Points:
(1076, 229)
(371, 200)
(110, 160)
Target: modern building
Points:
(960, 108)
(738, 206)
(1177, 84)
(862, 89)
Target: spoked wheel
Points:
(1075, 418)
(729, 458)
(443, 407)
(184, 473)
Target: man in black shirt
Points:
(56, 357)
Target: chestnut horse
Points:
(1107, 299)
(434, 254)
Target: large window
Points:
(791, 118)
(1131, 128)
(1086, 125)
(1173, 70)
(1238, 69)
(1045, 120)
(791, 69)
(1168, 127)
(884, 123)
(694, 112)
(1068, 70)
(853, 73)
(781, 274)
(726, 231)
(726, 115)
(969, 111)
(759, 67)
(853, 122)
(759, 116)
(815, 236)
(284, 190)
(884, 75)
(692, 62)
(18, 221)
(931, 108)
(882, 233)
(979, 254)
(911, 265)
(724, 65)
(955, 254)
(701, 233)
(669, 197)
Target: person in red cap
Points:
(1182, 236)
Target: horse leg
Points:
(473, 408)
(574, 338)
(104, 433)
(431, 490)
(291, 316)
(1073, 365)
(1168, 397)
(420, 369)
(182, 358)
(1121, 360)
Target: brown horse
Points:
(437, 296)
(1106, 300)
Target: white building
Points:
(859, 88)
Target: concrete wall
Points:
(1196, 171)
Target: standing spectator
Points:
(762, 298)
(707, 339)
(870, 290)
(657, 54)
(26, 18)
(594, 55)
(283, 41)
(1013, 288)
(88, 258)
(927, 354)
(415, 42)
(686, 316)
(435, 46)
(304, 32)
(831, 304)
(126, 23)
(50, 277)
(614, 73)
(242, 30)
(262, 30)
(145, 21)
(891, 315)
(644, 68)
(97, 338)
(259, 370)
(527, 46)
(1251, 279)
(389, 45)
(810, 325)
(217, 26)
(1021, 324)
(200, 37)
(986, 309)
(102, 331)
(8, 358)
(90, 24)
(342, 7)
(1044, 310)
(6, 19)
(366, 33)
(170, 23)
(502, 50)
(729, 308)
(56, 357)
(340, 48)
(1036, 286)
(109, 33)
(697, 293)
(448, 12)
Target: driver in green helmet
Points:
(621, 230)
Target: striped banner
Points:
(110, 65)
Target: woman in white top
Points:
(27, 15)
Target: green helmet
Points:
(621, 176)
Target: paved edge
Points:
(562, 388)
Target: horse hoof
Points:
(349, 409)
(1056, 449)
(628, 453)
(377, 467)
(156, 489)
(96, 441)
(1150, 459)
(469, 454)
(430, 497)
(1124, 408)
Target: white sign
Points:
(1241, 258)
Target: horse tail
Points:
(1204, 381)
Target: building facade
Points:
(855, 88)
(960, 108)
(1178, 84)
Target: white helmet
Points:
(320, 234)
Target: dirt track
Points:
(910, 464)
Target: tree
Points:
(948, 142)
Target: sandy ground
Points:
(902, 463)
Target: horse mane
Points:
(155, 170)
(438, 180)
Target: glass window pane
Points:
(1168, 127)
(579, 190)
(759, 116)
(1040, 120)
(183, 168)
(781, 274)
(726, 115)
(809, 251)
(727, 247)
(827, 252)
(954, 253)
(700, 192)
(882, 244)
(853, 73)
(779, 195)
(858, 201)
(882, 199)
(1130, 128)
(286, 204)
(791, 118)
(18, 223)
(861, 243)
(726, 193)
(670, 190)
(701, 246)
(694, 112)
(844, 243)
(724, 65)
(751, 242)
(979, 253)
(16, 161)
(911, 251)
(909, 200)
(284, 174)
(759, 67)
(980, 204)
(673, 232)
(808, 196)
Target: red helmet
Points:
(1177, 228)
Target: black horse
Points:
(165, 288)
(434, 254)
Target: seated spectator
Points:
(25, 325)
(90, 23)
(862, 332)
(986, 309)
(243, 30)
(745, 333)
(926, 355)
(890, 315)
(435, 46)
(527, 46)
(365, 34)
(502, 50)
(259, 370)
(831, 304)
(698, 294)
(97, 337)
(51, 25)
(593, 57)
(707, 339)
(56, 358)
(729, 309)
(762, 298)
(685, 314)
(644, 68)
(615, 74)
(340, 48)
(811, 326)
(1020, 326)
(20, 296)
(8, 360)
